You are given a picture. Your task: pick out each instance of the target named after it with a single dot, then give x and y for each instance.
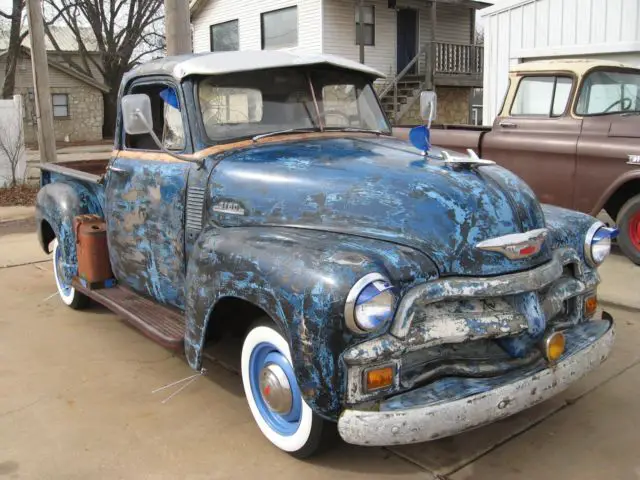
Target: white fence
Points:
(11, 140)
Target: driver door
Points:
(146, 192)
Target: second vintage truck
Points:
(571, 130)
(403, 294)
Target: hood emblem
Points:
(633, 160)
(516, 245)
(230, 208)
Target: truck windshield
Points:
(609, 92)
(249, 104)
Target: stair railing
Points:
(394, 83)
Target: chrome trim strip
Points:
(420, 424)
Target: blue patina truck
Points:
(405, 294)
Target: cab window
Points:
(542, 96)
(609, 92)
(167, 120)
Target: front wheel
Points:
(629, 223)
(273, 394)
(69, 295)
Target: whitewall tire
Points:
(273, 394)
(69, 295)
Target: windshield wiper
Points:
(352, 129)
(282, 132)
(629, 113)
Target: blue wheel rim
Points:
(64, 288)
(264, 354)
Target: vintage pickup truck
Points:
(571, 130)
(404, 294)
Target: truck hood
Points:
(382, 188)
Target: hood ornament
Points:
(471, 160)
(516, 245)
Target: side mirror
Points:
(428, 106)
(136, 114)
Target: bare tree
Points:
(12, 145)
(118, 30)
(16, 37)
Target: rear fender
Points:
(301, 280)
(58, 204)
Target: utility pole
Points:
(177, 26)
(40, 67)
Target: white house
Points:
(517, 31)
(397, 35)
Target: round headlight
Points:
(370, 304)
(597, 244)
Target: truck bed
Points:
(87, 170)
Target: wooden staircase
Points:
(408, 92)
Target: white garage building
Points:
(517, 31)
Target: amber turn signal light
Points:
(379, 378)
(554, 345)
(590, 306)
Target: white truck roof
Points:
(220, 63)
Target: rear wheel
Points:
(273, 394)
(629, 224)
(69, 295)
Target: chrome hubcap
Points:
(275, 389)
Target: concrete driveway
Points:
(76, 403)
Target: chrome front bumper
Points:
(404, 419)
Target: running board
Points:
(160, 323)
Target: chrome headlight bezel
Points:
(350, 313)
(598, 229)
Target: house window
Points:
(542, 96)
(224, 37)
(60, 105)
(368, 23)
(280, 28)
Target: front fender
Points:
(567, 228)
(58, 204)
(301, 279)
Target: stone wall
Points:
(86, 106)
(453, 107)
(86, 114)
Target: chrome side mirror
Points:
(428, 106)
(136, 114)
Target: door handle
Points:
(119, 171)
(508, 125)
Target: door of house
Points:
(407, 32)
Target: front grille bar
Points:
(459, 287)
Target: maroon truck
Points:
(571, 130)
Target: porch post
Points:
(361, 18)
(431, 50)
